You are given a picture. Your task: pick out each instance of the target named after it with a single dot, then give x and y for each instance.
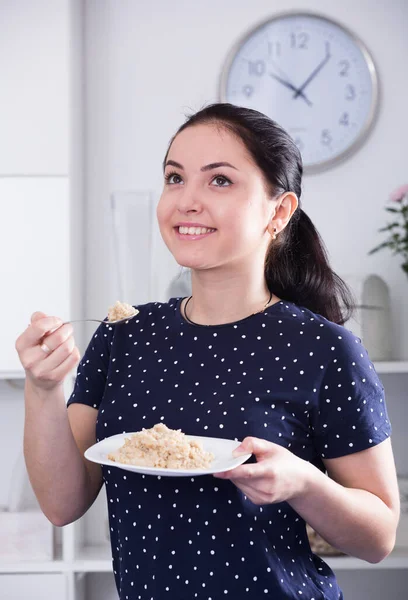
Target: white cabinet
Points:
(33, 586)
(40, 194)
(34, 99)
(35, 256)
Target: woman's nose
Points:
(189, 202)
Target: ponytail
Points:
(297, 270)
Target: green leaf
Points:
(383, 245)
(389, 227)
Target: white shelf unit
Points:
(389, 367)
(94, 559)
(398, 559)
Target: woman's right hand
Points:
(47, 351)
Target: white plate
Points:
(222, 450)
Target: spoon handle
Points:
(84, 320)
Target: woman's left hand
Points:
(277, 476)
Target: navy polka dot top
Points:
(285, 375)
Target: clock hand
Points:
(291, 87)
(314, 72)
(279, 70)
(286, 76)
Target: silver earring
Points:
(274, 234)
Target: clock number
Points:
(350, 92)
(344, 68)
(299, 40)
(326, 138)
(274, 48)
(248, 90)
(256, 67)
(344, 120)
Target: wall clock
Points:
(311, 75)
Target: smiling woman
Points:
(249, 200)
(257, 353)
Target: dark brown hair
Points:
(296, 264)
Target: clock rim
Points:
(368, 126)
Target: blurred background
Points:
(92, 91)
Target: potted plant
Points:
(397, 230)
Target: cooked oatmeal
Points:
(121, 310)
(164, 448)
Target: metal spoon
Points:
(102, 321)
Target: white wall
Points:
(149, 63)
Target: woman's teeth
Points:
(194, 230)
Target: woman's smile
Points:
(193, 231)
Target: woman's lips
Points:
(190, 237)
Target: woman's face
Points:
(214, 209)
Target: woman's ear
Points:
(286, 205)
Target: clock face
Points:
(312, 77)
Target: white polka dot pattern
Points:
(286, 375)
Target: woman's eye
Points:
(170, 178)
(221, 180)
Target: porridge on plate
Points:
(163, 448)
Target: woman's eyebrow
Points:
(215, 165)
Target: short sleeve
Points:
(93, 368)
(351, 415)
